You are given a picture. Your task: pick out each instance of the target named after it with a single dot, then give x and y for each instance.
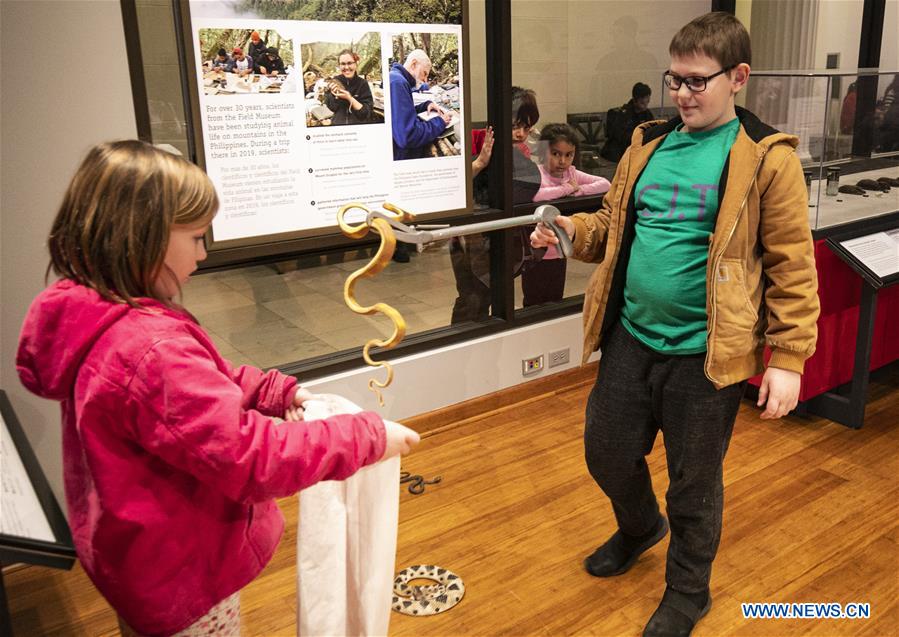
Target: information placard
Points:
(302, 117)
(879, 252)
(32, 526)
(22, 514)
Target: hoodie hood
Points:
(62, 325)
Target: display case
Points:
(848, 128)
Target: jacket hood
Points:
(61, 327)
(759, 132)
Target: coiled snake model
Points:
(426, 600)
(380, 261)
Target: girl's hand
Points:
(294, 413)
(543, 236)
(779, 392)
(400, 439)
(483, 158)
(342, 94)
(575, 186)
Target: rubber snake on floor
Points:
(380, 261)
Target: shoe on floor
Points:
(676, 615)
(620, 552)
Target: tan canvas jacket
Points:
(761, 281)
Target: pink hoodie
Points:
(171, 459)
(558, 187)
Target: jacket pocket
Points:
(736, 315)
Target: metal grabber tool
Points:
(393, 225)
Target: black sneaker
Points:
(677, 614)
(620, 552)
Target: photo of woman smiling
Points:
(349, 95)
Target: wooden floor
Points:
(811, 516)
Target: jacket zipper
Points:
(607, 288)
(714, 273)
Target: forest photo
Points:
(241, 61)
(343, 81)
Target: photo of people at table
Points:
(241, 61)
(343, 83)
(425, 96)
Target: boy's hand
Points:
(294, 413)
(400, 439)
(483, 158)
(780, 390)
(543, 236)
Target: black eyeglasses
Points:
(696, 83)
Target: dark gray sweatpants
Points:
(637, 393)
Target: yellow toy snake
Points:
(380, 261)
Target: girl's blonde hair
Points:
(112, 230)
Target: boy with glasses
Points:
(705, 257)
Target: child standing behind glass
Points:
(543, 281)
(559, 177)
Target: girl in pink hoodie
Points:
(172, 459)
(543, 281)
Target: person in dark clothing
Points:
(256, 47)
(621, 122)
(350, 96)
(221, 60)
(412, 136)
(470, 255)
(270, 63)
(887, 117)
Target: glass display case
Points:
(848, 129)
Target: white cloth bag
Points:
(346, 544)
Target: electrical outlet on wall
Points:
(531, 366)
(559, 357)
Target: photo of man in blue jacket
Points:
(412, 136)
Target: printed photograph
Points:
(342, 82)
(425, 96)
(243, 61)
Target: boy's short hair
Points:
(640, 90)
(719, 35)
(524, 107)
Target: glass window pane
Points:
(596, 69)
(162, 75)
(275, 314)
(280, 313)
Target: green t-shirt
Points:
(676, 201)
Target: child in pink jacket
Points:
(544, 281)
(172, 459)
(559, 177)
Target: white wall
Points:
(48, 122)
(451, 374)
(613, 45)
(839, 31)
(889, 46)
(582, 55)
